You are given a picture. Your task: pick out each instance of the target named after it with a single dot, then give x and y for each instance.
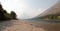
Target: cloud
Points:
(32, 13)
(14, 5)
(22, 9)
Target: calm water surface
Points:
(38, 21)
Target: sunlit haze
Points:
(27, 8)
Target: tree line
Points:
(4, 15)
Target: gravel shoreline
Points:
(17, 25)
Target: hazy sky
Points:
(27, 8)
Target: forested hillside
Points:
(4, 15)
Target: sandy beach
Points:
(16, 25)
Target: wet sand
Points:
(17, 25)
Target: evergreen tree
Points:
(4, 11)
(1, 12)
(13, 14)
(6, 16)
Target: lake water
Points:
(47, 25)
(38, 21)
